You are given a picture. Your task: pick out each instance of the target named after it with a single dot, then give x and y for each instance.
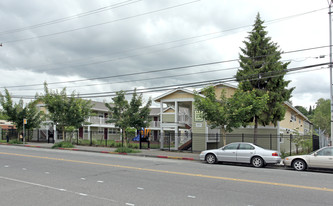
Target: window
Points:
(292, 117)
(245, 147)
(325, 152)
(231, 146)
(113, 131)
(100, 130)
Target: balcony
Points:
(154, 124)
(98, 121)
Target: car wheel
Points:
(257, 162)
(299, 165)
(210, 158)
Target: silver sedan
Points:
(322, 158)
(241, 152)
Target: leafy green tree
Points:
(139, 116)
(228, 113)
(125, 114)
(322, 115)
(16, 112)
(302, 110)
(263, 72)
(118, 110)
(3, 116)
(66, 111)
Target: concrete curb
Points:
(106, 152)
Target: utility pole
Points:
(331, 92)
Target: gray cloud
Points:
(125, 46)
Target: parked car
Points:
(241, 152)
(322, 158)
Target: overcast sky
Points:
(65, 41)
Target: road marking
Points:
(191, 196)
(57, 189)
(6, 166)
(100, 181)
(24, 168)
(83, 178)
(177, 173)
(47, 173)
(130, 204)
(139, 188)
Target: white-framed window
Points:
(292, 117)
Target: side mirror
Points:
(315, 154)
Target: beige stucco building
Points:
(179, 125)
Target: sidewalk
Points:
(157, 153)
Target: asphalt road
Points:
(31, 176)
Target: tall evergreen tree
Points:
(262, 71)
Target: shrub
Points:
(15, 141)
(126, 150)
(63, 145)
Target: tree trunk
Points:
(63, 133)
(224, 136)
(124, 138)
(255, 135)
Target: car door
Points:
(244, 153)
(322, 159)
(228, 153)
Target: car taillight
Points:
(275, 154)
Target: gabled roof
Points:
(157, 99)
(99, 106)
(296, 110)
(222, 84)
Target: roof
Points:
(99, 106)
(296, 110)
(157, 99)
(154, 111)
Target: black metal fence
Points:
(288, 144)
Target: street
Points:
(32, 176)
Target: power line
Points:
(154, 71)
(100, 24)
(200, 83)
(163, 43)
(76, 16)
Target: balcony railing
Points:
(154, 124)
(99, 120)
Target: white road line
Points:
(100, 181)
(24, 168)
(130, 204)
(6, 166)
(55, 188)
(191, 196)
(139, 188)
(83, 178)
(47, 173)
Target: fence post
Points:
(192, 142)
(242, 137)
(169, 141)
(90, 138)
(270, 141)
(217, 144)
(291, 136)
(77, 137)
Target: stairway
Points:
(187, 145)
